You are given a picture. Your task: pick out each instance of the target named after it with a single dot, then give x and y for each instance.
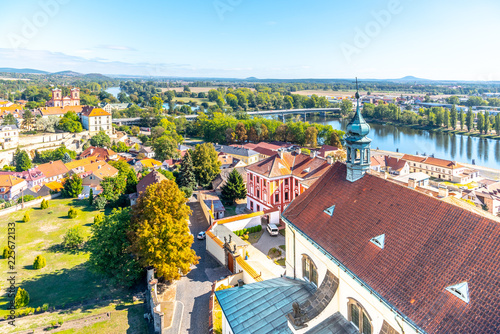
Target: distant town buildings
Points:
(9, 136)
(441, 169)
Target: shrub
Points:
(188, 192)
(26, 198)
(72, 213)
(50, 212)
(44, 205)
(99, 202)
(22, 298)
(26, 217)
(6, 252)
(73, 238)
(45, 307)
(40, 262)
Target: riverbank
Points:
(490, 173)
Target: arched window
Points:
(359, 317)
(309, 270)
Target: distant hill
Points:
(95, 76)
(411, 78)
(21, 70)
(68, 73)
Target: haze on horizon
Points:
(446, 40)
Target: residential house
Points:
(367, 255)
(11, 187)
(441, 169)
(33, 176)
(96, 119)
(221, 179)
(148, 164)
(92, 171)
(9, 136)
(46, 112)
(152, 178)
(109, 107)
(15, 110)
(225, 160)
(182, 149)
(327, 150)
(53, 171)
(247, 156)
(391, 165)
(278, 180)
(100, 153)
(147, 151)
(487, 196)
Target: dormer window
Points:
(329, 211)
(460, 290)
(379, 241)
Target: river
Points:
(113, 91)
(485, 152)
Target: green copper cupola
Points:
(357, 144)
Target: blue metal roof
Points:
(262, 307)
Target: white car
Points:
(272, 229)
(201, 235)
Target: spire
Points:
(358, 145)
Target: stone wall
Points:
(154, 303)
(28, 204)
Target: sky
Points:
(441, 40)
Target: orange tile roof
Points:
(54, 185)
(96, 112)
(80, 163)
(9, 180)
(53, 168)
(432, 161)
(101, 169)
(49, 111)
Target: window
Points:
(296, 182)
(286, 182)
(286, 196)
(359, 317)
(258, 207)
(276, 198)
(309, 270)
(251, 205)
(258, 193)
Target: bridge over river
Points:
(281, 112)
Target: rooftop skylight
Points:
(329, 210)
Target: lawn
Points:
(253, 238)
(470, 185)
(198, 100)
(65, 281)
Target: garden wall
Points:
(34, 202)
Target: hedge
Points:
(253, 229)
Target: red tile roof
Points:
(325, 149)
(429, 245)
(432, 161)
(152, 178)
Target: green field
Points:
(66, 281)
(199, 101)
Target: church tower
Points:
(358, 145)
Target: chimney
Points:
(298, 150)
(411, 183)
(329, 160)
(280, 153)
(240, 283)
(443, 192)
(383, 175)
(313, 154)
(91, 151)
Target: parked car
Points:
(272, 229)
(201, 235)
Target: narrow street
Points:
(193, 290)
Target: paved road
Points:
(266, 241)
(194, 289)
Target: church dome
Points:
(358, 126)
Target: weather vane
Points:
(357, 90)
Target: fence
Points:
(34, 202)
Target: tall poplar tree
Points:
(453, 117)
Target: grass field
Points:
(66, 281)
(199, 101)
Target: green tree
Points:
(497, 124)
(288, 102)
(487, 124)
(470, 120)
(234, 188)
(232, 100)
(72, 213)
(22, 160)
(205, 163)
(165, 147)
(159, 232)
(311, 136)
(462, 119)
(26, 217)
(480, 122)
(241, 132)
(73, 238)
(446, 120)
(66, 158)
(44, 205)
(345, 107)
(39, 262)
(101, 139)
(109, 249)
(453, 100)
(335, 140)
(22, 298)
(72, 187)
(187, 177)
(9, 119)
(156, 103)
(70, 123)
(113, 188)
(453, 117)
(91, 197)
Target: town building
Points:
(221, 179)
(391, 165)
(147, 151)
(100, 153)
(486, 196)
(441, 169)
(96, 119)
(9, 136)
(148, 164)
(11, 187)
(152, 178)
(33, 176)
(109, 107)
(247, 156)
(53, 171)
(279, 179)
(367, 255)
(58, 100)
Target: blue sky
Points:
(266, 39)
